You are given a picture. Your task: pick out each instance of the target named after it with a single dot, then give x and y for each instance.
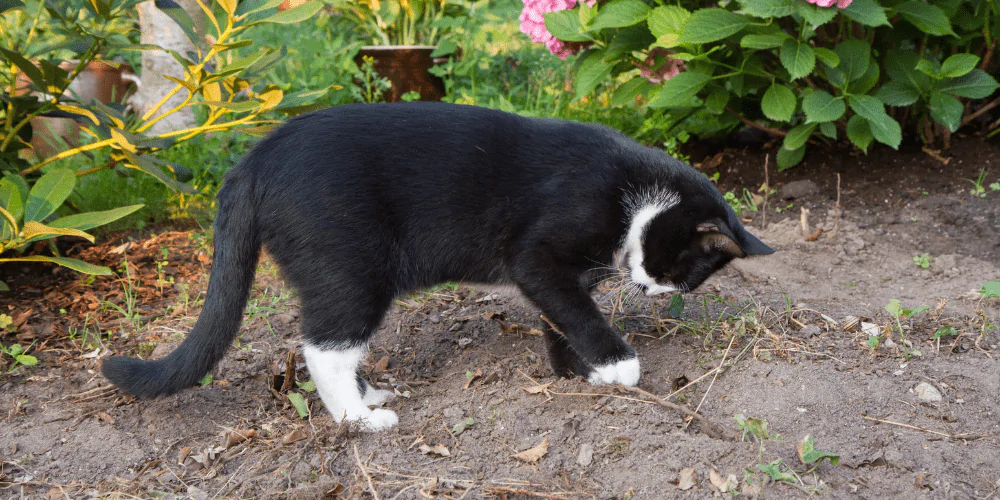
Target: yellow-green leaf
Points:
(270, 98)
(77, 110)
(10, 219)
(212, 92)
(122, 141)
(229, 5)
(74, 264)
(33, 229)
(184, 83)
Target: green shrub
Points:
(817, 74)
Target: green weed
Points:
(899, 315)
(922, 261)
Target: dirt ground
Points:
(769, 339)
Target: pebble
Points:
(927, 393)
(586, 455)
(798, 189)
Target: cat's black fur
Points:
(359, 204)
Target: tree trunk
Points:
(157, 28)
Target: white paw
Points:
(625, 372)
(379, 420)
(375, 397)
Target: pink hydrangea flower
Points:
(841, 4)
(668, 68)
(533, 24)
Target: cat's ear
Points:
(716, 235)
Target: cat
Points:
(358, 204)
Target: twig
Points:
(753, 124)
(710, 428)
(767, 191)
(921, 429)
(979, 112)
(555, 495)
(718, 370)
(365, 473)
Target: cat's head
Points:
(676, 240)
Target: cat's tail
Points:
(237, 248)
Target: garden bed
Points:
(68, 433)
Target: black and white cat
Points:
(359, 204)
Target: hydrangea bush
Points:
(810, 70)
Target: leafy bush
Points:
(225, 86)
(817, 73)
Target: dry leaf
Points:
(382, 364)
(531, 455)
(108, 419)
(183, 454)
(687, 478)
(438, 449)
(238, 436)
(724, 485)
(479, 373)
(293, 437)
(538, 389)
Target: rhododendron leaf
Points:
(855, 56)
(827, 57)
(820, 106)
(946, 110)
(565, 25)
(859, 132)
(766, 41)
(593, 70)
(778, 103)
(678, 91)
(885, 129)
(902, 67)
(798, 58)
(668, 19)
(628, 92)
(867, 81)
(895, 93)
(976, 84)
(769, 8)
(926, 17)
(709, 25)
(959, 64)
(828, 129)
(621, 13)
(788, 158)
(867, 12)
(816, 16)
(798, 136)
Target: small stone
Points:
(454, 413)
(586, 455)
(798, 189)
(810, 331)
(434, 318)
(285, 319)
(927, 393)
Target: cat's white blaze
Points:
(642, 214)
(625, 372)
(335, 373)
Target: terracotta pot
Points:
(99, 80)
(407, 67)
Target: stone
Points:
(927, 393)
(586, 455)
(798, 189)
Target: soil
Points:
(767, 338)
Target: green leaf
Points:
(810, 455)
(991, 289)
(798, 58)
(678, 91)
(74, 264)
(902, 67)
(173, 10)
(828, 129)
(10, 199)
(765, 41)
(897, 94)
(308, 385)
(778, 103)
(883, 127)
(894, 308)
(929, 68)
(626, 93)
(788, 158)
(263, 62)
(48, 194)
(867, 12)
(565, 25)
(90, 220)
(299, 402)
(855, 56)
(295, 14)
(959, 64)
(206, 380)
(26, 360)
(946, 110)
(629, 40)
(709, 25)
(144, 164)
(676, 307)
(820, 106)
(620, 13)
(30, 70)
(816, 16)
(859, 133)
(667, 19)
(944, 331)
(827, 56)
(976, 84)
(798, 136)
(17, 180)
(6, 5)
(926, 17)
(251, 6)
(463, 425)
(769, 8)
(593, 70)
(752, 426)
(773, 470)
(867, 81)
(228, 5)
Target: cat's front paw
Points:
(625, 372)
(378, 420)
(375, 397)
